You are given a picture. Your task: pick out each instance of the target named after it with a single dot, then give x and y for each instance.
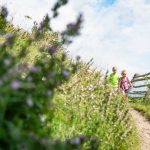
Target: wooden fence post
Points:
(136, 91)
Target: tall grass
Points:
(142, 105)
(86, 106)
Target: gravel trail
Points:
(143, 129)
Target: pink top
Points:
(124, 83)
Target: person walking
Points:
(125, 84)
(113, 79)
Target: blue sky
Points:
(108, 2)
(115, 32)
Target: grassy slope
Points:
(142, 105)
(144, 108)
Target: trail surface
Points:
(143, 129)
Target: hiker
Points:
(113, 79)
(125, 84)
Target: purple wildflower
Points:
(15, 84)
(49, 93)
(65, 73)
(73, 28)
(75, 141)
(22, 66)
(29, 78)
(63, 33)
(70, 25)
(40, 28)
(7, 62)
(29, 102)
(52, 49)
(4, 11)
(83, 138)
(1, 82)
(12, 71)
(35, 69)
(78, 58)
(110, 103)
(9, 37)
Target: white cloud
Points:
(115, 35)
(118, 35)
(34, 8)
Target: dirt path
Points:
(143, 128)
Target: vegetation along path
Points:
(143, 129)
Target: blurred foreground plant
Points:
(26, 90)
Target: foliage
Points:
(34, 71)
(145, 109)
(57, 6)
(142, 105)
(84, 106)
(3, 15)
(27, 84)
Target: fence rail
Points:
(141, 86)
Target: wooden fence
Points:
(141, 86)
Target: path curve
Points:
(143, 129)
